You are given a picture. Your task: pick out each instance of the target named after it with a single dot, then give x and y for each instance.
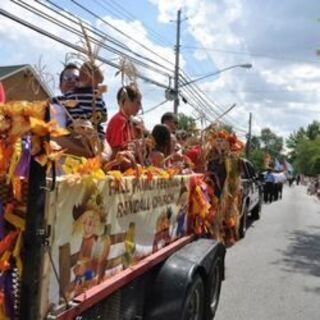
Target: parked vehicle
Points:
(252, 194)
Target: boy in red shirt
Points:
(120, 130)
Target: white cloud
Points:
(21, 45)
(163, 56)
(282, 93)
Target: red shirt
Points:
(119, 131)
(195, 155)
(2, 94)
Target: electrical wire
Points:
(189, 96)
(71, 45)
(273, 57)
(122, 13)
(120, 31)
(204, 110)
(96, 41)
(203, 105)
(207, 101)
(75, 19)
(197, 98)
(227, 118)
(96, 31)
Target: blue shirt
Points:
(84, 107)
(269, 177)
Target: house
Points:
(21, 82)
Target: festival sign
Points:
(102, 228)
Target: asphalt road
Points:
(274, 273)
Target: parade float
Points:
(102, 222)
(75, 232)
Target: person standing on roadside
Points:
(268, 187)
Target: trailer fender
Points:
(174, 277)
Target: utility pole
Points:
(248, 146)
(176, 70)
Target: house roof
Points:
(7, 71)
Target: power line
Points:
(274, 57)
(210, 110)
(264, 91)
(207, 107)
(199, 100)
(75, 19)
(122, 12)
(206, 101)
(194, 105)
(119, 31)
(227, 118)
(80, 34)
(69, 44)
(95, 31)
(200, 95)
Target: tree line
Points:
(301, 149)
(304, 149)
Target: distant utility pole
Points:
(176, 70)
(248, 146)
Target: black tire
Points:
(243, 223)
(256, 212)
(213, 290)
(193, 306)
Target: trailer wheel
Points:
(214, 288)
(193, 306)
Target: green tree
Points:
(292, 142)
(313, 130)
(256, 156)
(255, 143)
(310, 133)
(187, 123)
(271, 143)
(308, 156)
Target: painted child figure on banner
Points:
(95, 246)
(162, 232)
(82, 278)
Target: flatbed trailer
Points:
(181, 280)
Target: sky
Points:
(279, 38)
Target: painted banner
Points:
(100, 229)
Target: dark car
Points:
(251, 195)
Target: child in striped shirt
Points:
(88, 104)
